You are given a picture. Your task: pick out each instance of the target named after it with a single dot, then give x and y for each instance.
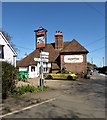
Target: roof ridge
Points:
(75, 46)
(7, 42)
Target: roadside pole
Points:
(41, 72)
(40, 44)
(44, 57)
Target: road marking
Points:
(26, 108)
(103, 74)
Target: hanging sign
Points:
(40, 37)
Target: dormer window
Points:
(1, 52)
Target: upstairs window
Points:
(1, 52)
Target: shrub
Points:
(28, 88)
(9, 75)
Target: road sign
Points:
(43, 57)
(45, 60)
(44, 53)
(37, 59)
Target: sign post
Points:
(40, 44)
(41, 72)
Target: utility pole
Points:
(100, 64)
(103, 61)
(91, 60)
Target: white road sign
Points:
(37, 59)
(43, 60)
(43, 57)
(44, 53)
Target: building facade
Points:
(7, 53)
(70, 55)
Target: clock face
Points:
(41, 40)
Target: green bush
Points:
(27, 88)
(9, 75)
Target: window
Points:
(45, 70)
(1, 51)
(32, 68)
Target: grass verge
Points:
(28, 89)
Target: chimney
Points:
(58, 40)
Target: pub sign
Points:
(40, 37)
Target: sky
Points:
(83, 21)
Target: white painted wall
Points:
(9, 53)
(23, 68)
(33, 74)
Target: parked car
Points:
(62, 75)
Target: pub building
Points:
(70, 55)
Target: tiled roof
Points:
(72, 46)
(53, 53)
(29, 59)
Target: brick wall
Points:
(58, 40)
(75, 67)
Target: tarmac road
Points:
(69, 99)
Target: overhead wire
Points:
(78, 48)
(89, 5)
(93, 42)
(97, 49)
(94, 8)
(24, 47)
(96, 41)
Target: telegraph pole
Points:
(91, 60)
(103, 61)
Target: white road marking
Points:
(26, 108)
(103, 74)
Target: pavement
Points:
(56, 88)
(18, 102)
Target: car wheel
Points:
(50, 77)
(70, 78)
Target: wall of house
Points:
(77, 66)
(23, 68)
(33, 71)
(9, 56)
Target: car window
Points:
(65, 72)
(58, 72)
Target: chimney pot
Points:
(58, 40)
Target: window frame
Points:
(2, 51)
